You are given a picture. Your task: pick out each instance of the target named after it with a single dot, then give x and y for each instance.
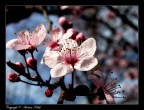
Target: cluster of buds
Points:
(67, 26)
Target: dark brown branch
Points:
(123, 17)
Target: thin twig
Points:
(31, 83)
(61, 97)
(26, 65)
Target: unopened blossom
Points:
(26, 40)
(13, 77)
(105, 88)
(71, 57)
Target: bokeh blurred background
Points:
(115, 29)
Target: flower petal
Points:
(69, 43)
(86, 64)
(16, 45)
(67, 35)
(51, 58)
(38, 35)
(109, 98)
(56, 34)
(87, 48)
(23, 37)
(61, 69)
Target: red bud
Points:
(63, 21)
(48, 92)
(18, 67)
(13, 77)
(31, 62)
(80, 37)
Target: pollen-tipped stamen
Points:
(109, 84)
(114, 88)
(107, 76)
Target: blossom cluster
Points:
(66, 51)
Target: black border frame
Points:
(75, 2)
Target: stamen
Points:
(108, 84)
(113, 88)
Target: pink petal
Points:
(51, 58)
(16, 45)
(109, 98)
(87, 48)
(23, 37)
(86, 64)
(67, 35)
(56, 34)
(98, 82)
(69, 43)
(38, 35)
(61, 69)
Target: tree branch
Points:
(123, 17)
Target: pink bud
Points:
(13, 77)
(80, 37)
(18, 67)
(31, 63)
(63, 21)
(48, 92)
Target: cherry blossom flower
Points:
(71, 57)
(54, 43)
(106, 89)
(56, 38)
(26, 40)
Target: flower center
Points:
(53, 44)
(70, 56)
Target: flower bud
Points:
(18, 67)
(70, 95)
(31, 62)
(48, 92)
(82, 90)
(13, 77)
(63, 22)
(80, 37)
